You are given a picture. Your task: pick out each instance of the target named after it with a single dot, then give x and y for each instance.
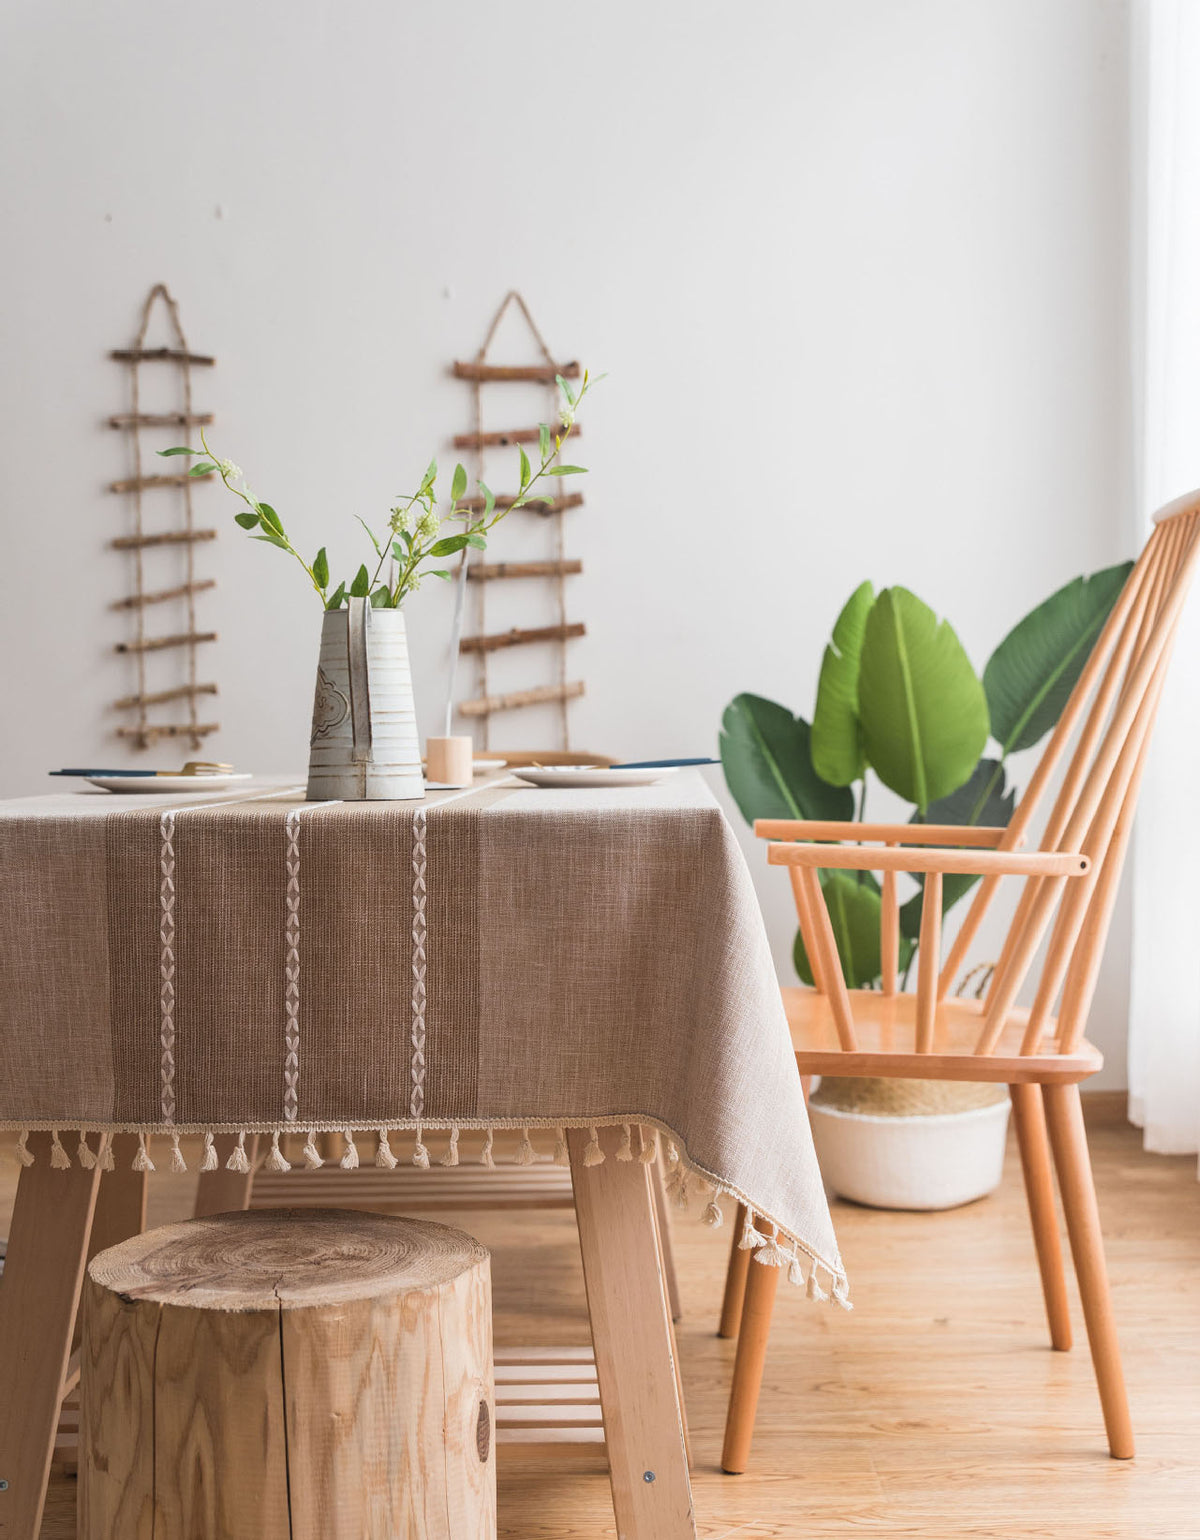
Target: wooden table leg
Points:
(39, 1296)
(222, 1191)
(121, 1201)
(120, 1206)
(659, 1187)
(632, 1339)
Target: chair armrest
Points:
(979, 863)
(972, 835)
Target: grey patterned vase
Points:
(364, 743)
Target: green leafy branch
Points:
(413, 536)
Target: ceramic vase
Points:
(364, 744)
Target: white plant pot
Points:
(926, 1162)
(364, 744)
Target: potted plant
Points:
(899, 700)
(363, 743)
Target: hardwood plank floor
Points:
(935, 1410)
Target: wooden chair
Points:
(1070, 884)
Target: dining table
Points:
(201, 976)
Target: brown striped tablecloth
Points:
(503, 957)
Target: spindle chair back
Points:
(1070, 880)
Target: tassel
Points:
(593, 1155)
(647, 1148)
(312, 1155)
(525, 1155)
(237, 1160)
(485, 1158)
(672, 1152)
(750, 1236)
(142, 1161)
(349, 1161)
(384, 1157)
(772, 1254)
(208, 1160)
(625, 1148)
(450, 1158)
(814, 1289)
(677, 1186)
(24, 1153)
(276, 1160)
(795, 1271)
(107, 1163)
(841, 1294)
(420, 1153)
(562, 1156)
(712, 1214)
(59, 1158)
(85, 1155)
(178, 1164)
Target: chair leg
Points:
(761, 1286)
(1029, 1120)
(735, 1280)
(1064, 1115)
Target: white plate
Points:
(172, 783)
(590, 775)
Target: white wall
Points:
(857, 272)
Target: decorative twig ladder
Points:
(185, 536)
(555, 571)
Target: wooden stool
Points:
(288, 1375)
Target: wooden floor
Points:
(935, 1410)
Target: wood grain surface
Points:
(289, 1375)
(936, 1411)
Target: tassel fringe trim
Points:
(819, 1282)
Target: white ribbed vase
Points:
(364, 744)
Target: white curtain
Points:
(1164, 1029)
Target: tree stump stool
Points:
(288, 1375)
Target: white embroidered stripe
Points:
(291, 965)
(417, 1034)
(416, 1101)
(291, 973)
(166, 933)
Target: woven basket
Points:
(905, 1098)
(910, 1144)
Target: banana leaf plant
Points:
(898, 698)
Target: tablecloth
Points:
(250, 962)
